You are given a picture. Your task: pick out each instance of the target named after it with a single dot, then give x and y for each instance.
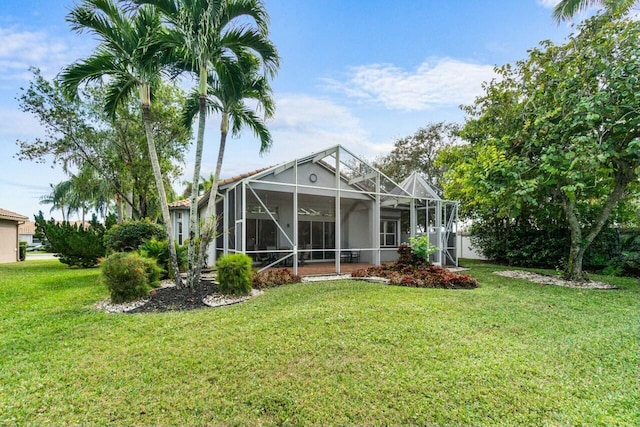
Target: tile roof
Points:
(185, 203)
(28, 227)
(12, 216)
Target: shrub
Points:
(74, 245)
(22, 255)
(528, 245)
(129, 276)
(159, 250)
(274, 277)
(403, 273)
(234, 274)
(129, 235)
(421, 247)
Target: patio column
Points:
(295, 219)
(376, 224)
(225, 223)
(338, 231)
(413, 223)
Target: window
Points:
(389, 233)
(179, 218)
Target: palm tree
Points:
(228, 94)
(130, 53)
(58, 198)
(566, 9)
(208, 33)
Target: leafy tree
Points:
(132, 55)
(559, 130)
(112, 154)
(418, 152)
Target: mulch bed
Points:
(173, 299)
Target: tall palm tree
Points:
(130, 53)
(566, 9)
(230, 94)
(208, 33)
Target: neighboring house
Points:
(9, 223)
(329, 207)
(26, 232)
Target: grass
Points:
(345, 352)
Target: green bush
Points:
(159, 250)
(129, 235)
(129, 276)
(22, 251)
(73, 244)
(421, 246)
(234, 274)
(527, 245)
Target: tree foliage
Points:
(418, 152)
(557, 132)
(109, 153)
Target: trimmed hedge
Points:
(234, 274)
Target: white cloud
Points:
(303, 124)
(548, 3)
(21, 49)
(435, 83)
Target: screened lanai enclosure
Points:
(329, 208)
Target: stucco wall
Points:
(8, 241)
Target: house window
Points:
(179, 219)
(389, 233)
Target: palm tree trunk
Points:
(193, 277)
(164, 206)
(210, 223)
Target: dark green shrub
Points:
(234, 274)
(129, 235)
(129, 276)
(22, 251)
(73, 244)
(274, 277)
(159, 250)
(527, 245)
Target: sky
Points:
(357, 73)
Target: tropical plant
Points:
(209, 36)
(231, 99)
(131, 53)
(566, 9)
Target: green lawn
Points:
(508, 353)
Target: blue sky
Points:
(356, 73)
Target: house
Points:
(26, 233)
(329, 207)
(9, 223)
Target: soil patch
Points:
(171, 298)
(553, 280)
